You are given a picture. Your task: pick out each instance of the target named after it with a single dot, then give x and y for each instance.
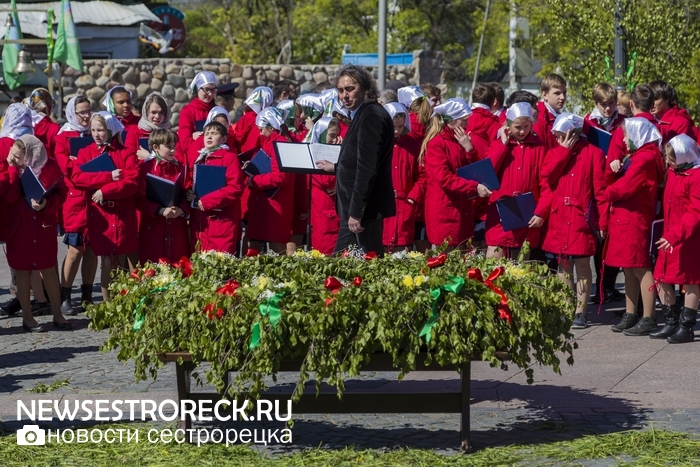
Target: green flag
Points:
(10, 52)
(67, 49)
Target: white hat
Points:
(215, 112)
(270, 117)
(519, 109)
(311, 105)
(320, 130)
(202, 78)
(261, 98)
(395, 108)
(641, 131)
(567, 121)
(686, 150)
(408, 94)
(452, 109)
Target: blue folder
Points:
(32, 189)
(143, 142)
(599, 138)
(199, 125)
(515, 212)
(102, 163)
(164, 192)
(261, 164)
(207, 179)
(481, 172)
(78, 143)
(657, 230)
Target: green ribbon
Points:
(139, 313)
(454, 285)
(272, 311)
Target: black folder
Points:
(246, 156)
(32, 189)
(78, 143)
(207, 179)
(199, 125)
(261, 164)
(515, 212)
(163, 192)
(481, 172)
(657, 230)
(599, 138)
(102, 163)
(143, 142)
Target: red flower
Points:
(219, 313)
(370, 256)
(123, 292)
(329, 300)
(437, 260)
(504, 313)
(149, 273)
(135, 275)
(163, 261)
(333, 284)
(357, 281)
(252, 252)
(229, 288)
(346, 254)
(185, 266)
(209, 311)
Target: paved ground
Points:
(617, 383)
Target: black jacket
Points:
(364, 189)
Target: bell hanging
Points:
(24, 63)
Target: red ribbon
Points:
(329, 300)
(149, 273)
(185, 266)
(503, 308)
(251, 252)
(135, 275)
(210, 313)
(333, 284)
(164, 261)
(369, 256)
(437, 260)
(229, 288)
(655, 285)
(357, 281)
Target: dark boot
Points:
(684, 333)
(644, 327)
(671, 314)
(66, 303)
(85, 296)
(628, 320)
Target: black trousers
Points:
(369, 239)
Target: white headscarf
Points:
(332, 105)
(452, 109)
(114, 126)
(686, 150)
(215, 112)
(270, 117)
(72, 119)
(202, 78)
(108, 103)
(286, 107)
(311, 105)
(519, 109)
(567, 121)
(147, 125)
(320, 130)
(36, 156)
(260, 99)
(395, 108)
(17, 122)
(408, 94)
(641, 131)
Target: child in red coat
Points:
(419, 108)
(42, 104)
(216, 221)
(270, 214)
(449, 213)
(74, 219)
(517, 157)
(112, 227)
(31, 233)
(553, 88)
(574, 175)
(163, 230)
(399, 230)
(203, 88)
(155, 114)
(633, 206)
(482, 126)
(679, 248)
(673, 120)
(325, 222)
(118, 102)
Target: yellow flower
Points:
(263, 282)
(408, 282)
(415, 254)
(516, 272)
(317, 254)
(418, 280)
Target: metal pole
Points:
(481, 46)
(290, 28)
(512, 56)
(381, 73)
(620, 49)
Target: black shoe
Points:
(40, 308)
(11, 308)
(685, 333)
(617, 295)
(37, 328)
(643, 327)
(628, 320)
(66, 303)
(85, 296)
(671, 314)
(67, 326)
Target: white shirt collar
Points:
(354, 112)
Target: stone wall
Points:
(172, 77)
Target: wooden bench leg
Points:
(465, 423)
(184, 374)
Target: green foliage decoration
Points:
(335, 313)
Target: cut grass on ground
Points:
(630, 448)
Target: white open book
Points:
(302, 157)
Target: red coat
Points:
(676, 121)
(417, 128)
(5, 146)
(131, 126)
(246, 136)
(160, 237)
(46, 130)
(270, 219)
(633, 206)
(301, 204)
(619, 120)
(325, 222)
(575, 177)
(195, 110)
(518, 168)
(449, 215)
(218, 227)
(543, 126)
(74, 212)
(482, 127)
(399, 230)
(618, 148)
(681, 229)
(112, 227)
(31, 235)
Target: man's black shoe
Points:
(11, 308)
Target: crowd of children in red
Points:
(586, 202)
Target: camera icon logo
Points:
(31, 435)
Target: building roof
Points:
(32, 16)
